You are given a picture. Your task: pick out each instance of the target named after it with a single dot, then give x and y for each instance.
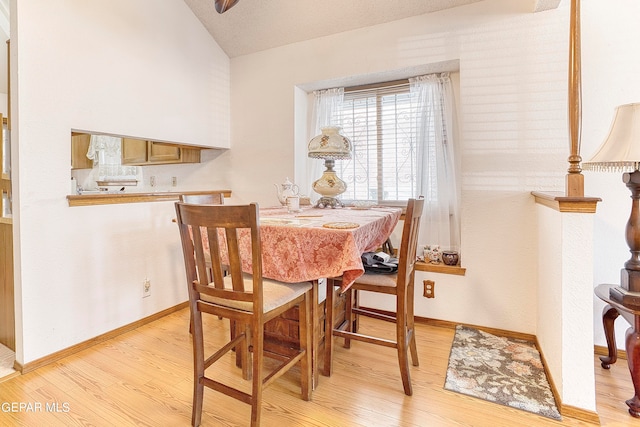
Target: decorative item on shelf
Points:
(620, 152)
(450, 258)
(330, 146)
(285, 190)
(432, 254)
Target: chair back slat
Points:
(235, 260)
(202, 272)
(409, 243)
(217, 275)
(209, 231)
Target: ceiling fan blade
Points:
(224, 5)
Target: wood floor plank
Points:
(144, 378)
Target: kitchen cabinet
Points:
(139, 152)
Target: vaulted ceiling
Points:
(254, 25)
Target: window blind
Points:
(380, 120)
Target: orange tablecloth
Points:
(297, 248)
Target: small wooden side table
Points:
(610, 313)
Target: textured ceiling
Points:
(254, 25)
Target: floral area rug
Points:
(502, 370)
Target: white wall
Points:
(143, 68)
(565, 267)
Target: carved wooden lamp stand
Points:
(620, 152)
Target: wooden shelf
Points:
(561, 203)
(117, 198)
(441, 268)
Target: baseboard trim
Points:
(604, 351)
(38, 363)
(452, 325)
(590, 417)
(10, 376)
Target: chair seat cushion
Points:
(381, 280)
(274, 293)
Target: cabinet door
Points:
(79, 147)
(162, 153)
(134, 151)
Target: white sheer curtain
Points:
(437, 180)
(324, 113)
(106, 153)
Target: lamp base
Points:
(630, 280)
(625, 297)
(329, 202)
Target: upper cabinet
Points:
(138, 152)
(135, 152)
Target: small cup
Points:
(293, 204)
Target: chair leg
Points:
(411, 324)
(243, 355)
(350, 317)
(356, 303)
(198, 369)
(401, 343)
(328, 330)
(316, 309)
(257, 342)
(305, 341)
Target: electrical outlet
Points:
(152, 181)
(429, 288)
(174, 181)
(146, 288)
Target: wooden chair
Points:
(249, 300)
(400, 285)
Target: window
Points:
(402, 136)
(380, 122)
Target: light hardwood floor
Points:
(7, 356)
(144, 378)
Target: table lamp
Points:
(330, 145)
(620, 152)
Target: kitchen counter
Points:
(123, 197)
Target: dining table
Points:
(313, 245)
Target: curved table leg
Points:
(609, 316)
(633, 358)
